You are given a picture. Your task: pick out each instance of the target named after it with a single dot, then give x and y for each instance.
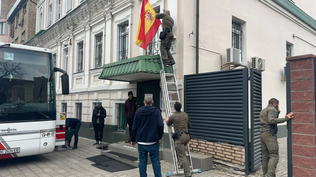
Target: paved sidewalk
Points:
(73, 163)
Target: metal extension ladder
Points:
(169, 86)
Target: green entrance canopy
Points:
(137, 69)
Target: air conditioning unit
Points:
(233, 57)
(258, 63)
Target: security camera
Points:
(65, 44)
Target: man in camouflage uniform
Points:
(270, 148)
(181, 123)
(167, 38)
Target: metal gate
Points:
(217, 104)
(256, 107)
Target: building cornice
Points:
(276, 7)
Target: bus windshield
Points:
(26, 86)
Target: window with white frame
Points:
(40, 20)
(79, 111)
(153, 48)
(58, 7)
(64, 107)
(80, 57)
(289, 49)
(123, 41)
(69, 5)
(237, 35)
(3, 28)
(50, 14)
(65, 63)
(98, 50)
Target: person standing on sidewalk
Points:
(148, 131)
(181, 123)
(99, 113)
(268, 135)
(130, 109)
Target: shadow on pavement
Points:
(109, 164)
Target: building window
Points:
(236, 35)
(69, 5)
(57, 10)
(65, 65)
(12, 29)
(289, 49)
(153, 47)
(3, 28)
(80, 57)
(49, 15)
(23, 37)
(123, 41)
(16, 40)
(24, 9)
(79, 111)
(54, 59)
(98, 50)
(18, 22)
(64, 107)
(40, 21)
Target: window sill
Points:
(79, 74)
(96, 70)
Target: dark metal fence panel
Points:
(217, 104)
(256, 107)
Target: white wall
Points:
(266, 35)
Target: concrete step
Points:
(121, 157)
(200, 161)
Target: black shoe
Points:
(171, 63)
(74, 148)
(63, 146)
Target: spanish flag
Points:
(147, 26)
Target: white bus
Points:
(29, 124)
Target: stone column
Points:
(302, 80)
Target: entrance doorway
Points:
(148, 88)
(121, 120)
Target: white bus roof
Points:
(26, 47)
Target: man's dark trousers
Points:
(153, 151)
(98, 132)
(76, 134)
(130, 125)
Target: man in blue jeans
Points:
(148, 130)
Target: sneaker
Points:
(95, 143)
(171, 63)
(100, 143)
(74, 148)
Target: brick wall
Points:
(6, 5)
(29, 23)
(221, 151)
(303, 106)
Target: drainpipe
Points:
(197, 35)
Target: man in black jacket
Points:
(73, 123)
(99, 113)
(148, 130)
(130, 109)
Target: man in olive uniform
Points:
(166, 37)
(181, 123)
(270, 149)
